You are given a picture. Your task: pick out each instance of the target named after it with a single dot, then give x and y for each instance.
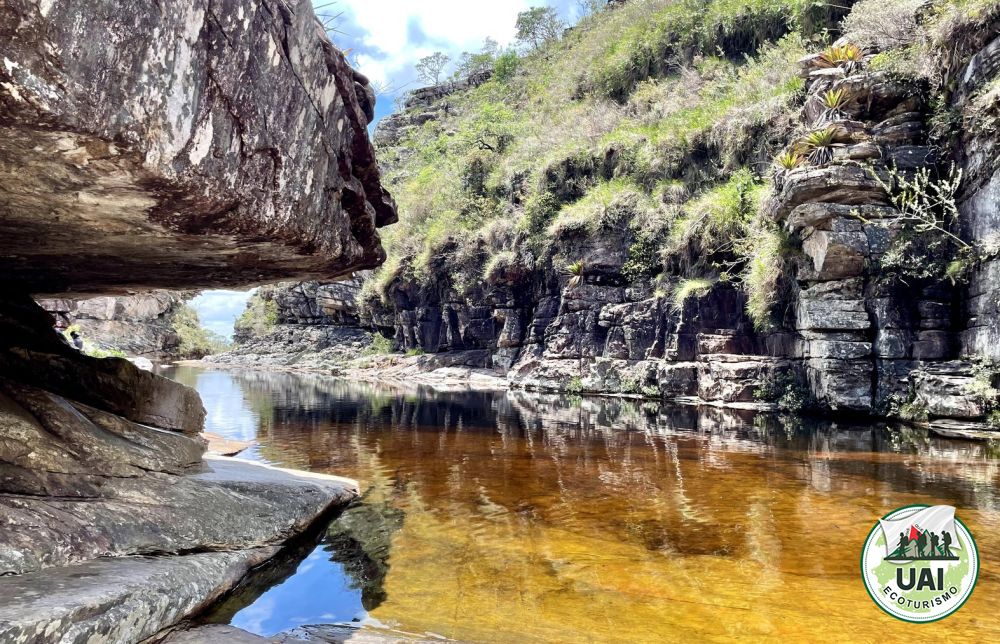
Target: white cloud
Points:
(218, 310)
(392, 35)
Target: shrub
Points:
(380, 345)
(784, 390)
(985, 381)
(259, 317)
(195, 340)
(925, 248)
(696, 287)
(506, 66)
(880, 25)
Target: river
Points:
(517, 517)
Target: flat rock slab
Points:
(327, 633)
(232, 505)
(223, 446)
(969, 432)
(117, 600)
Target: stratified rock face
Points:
(140, 325)
(316, 303)
(211, 142)
(849, 334)
(34, 355)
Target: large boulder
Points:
(203, 143)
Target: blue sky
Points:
(384, 39)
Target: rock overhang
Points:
(203, 144)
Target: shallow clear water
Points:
(519, 517)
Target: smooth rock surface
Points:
(204, 143)
(232, 505)
(122, 600)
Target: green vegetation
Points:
(985, 388)
(818, 144)
(576, 270)
(259, 318)
(783, 389)
(195, 340)
(646, 125)
(925, 248)
(380, 345)
(695, 287)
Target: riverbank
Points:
(191, 539)
(603, 378)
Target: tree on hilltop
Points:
(430, 68)
(538, 26)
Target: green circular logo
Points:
(920, 563)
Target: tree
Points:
(538, 26)
(590, 7)
(473, 63)
(430, 68)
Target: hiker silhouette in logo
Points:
(904, 543)
(934, 545)
(946, 546)
(921, 543)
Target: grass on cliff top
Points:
(633, 111)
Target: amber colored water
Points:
(510, 517)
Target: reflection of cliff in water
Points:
(360, 540)
(560, 506)
(357, 541)
(315, 418)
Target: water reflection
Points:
(546, 518)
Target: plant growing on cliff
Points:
(925, 249)
(576, 271)
(834, 101)
(819, 144)
(766, 252)
(783, 389)
(785, 163)
(847, 57)
(985, 386)
(788, 160)
(695, 287)
(259, 317)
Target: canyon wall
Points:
(156, 145)
(847, 334)
(140, 325)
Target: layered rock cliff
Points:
(660, 246)
(183, 145)
(211, 143)
(140, 325)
